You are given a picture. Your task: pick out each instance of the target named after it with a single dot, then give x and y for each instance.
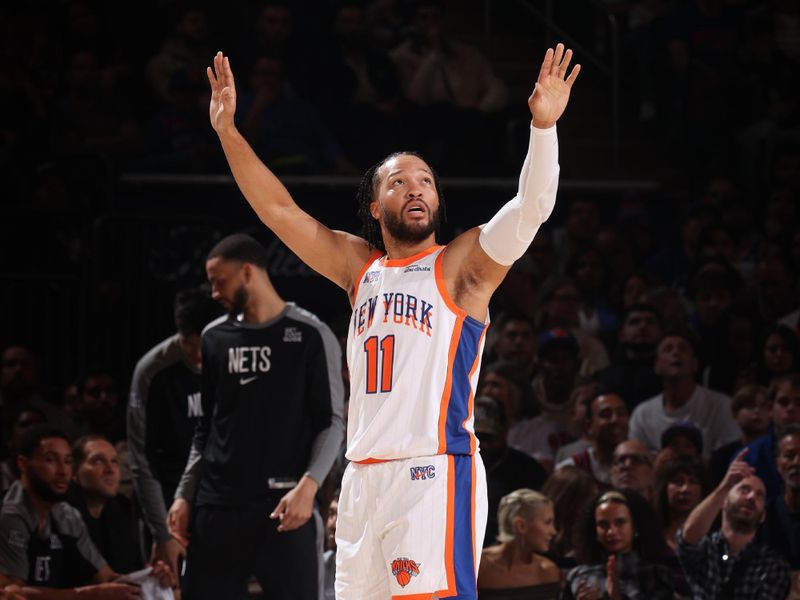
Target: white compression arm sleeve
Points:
(509, 233)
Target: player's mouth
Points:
(416, 208)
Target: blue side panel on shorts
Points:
(464, 553)
(456, 437)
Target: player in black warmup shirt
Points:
(272, 399)
(163, 410)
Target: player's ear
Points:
(374, 210)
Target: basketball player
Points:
(412, 510)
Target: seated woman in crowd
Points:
(681, 484)
(619, 549)
(516, 568)
(568, 488)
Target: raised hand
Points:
(737, 471)
(223, 94)
(551, 93)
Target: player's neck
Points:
(397, 250)
(263, 305)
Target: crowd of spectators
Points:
(637, 382)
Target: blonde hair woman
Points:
(516, 567)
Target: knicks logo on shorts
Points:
(404, 569)
(426, 472)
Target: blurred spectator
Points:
(357, 89)
(634, 289)
(681, 440)
(560, 308)
(19, 389)
(729, 563)
(274, 33)
(92, 115)
(672, 265)
(9, 472)
(448, 83)
(752, 410)
(186, 49)
(518, 564)
(508, 384)
(632, 468)
(506, 469)
(631, 372)
(436, 69)
(163, 410)
(681, 484)
(779, 354)
(682, 400)
(568, 488)
(776, 288)
(580, 230)
(619, 549)
(713, 289)
(108, 515)
(542, 435)
(585, 390)
(595, 314)
(784, 393)
(608, 426)
(516, 341)
(781, 530)
(286, 132)
(96, 407)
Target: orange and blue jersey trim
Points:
(459, 550)
(463, 357)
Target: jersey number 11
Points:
(379, 370)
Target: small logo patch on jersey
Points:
(246, 380)
(371, 276)
(422, 473)
(55, 542)
(416, 269)
(292, 334)
(404, 569)
(17, 539)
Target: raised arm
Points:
(478, 260)
(702, 517)
(337, 255)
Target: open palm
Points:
(551, 92)
(223, 94)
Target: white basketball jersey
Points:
(414, 358)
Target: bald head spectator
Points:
(507, 469)
(782, 527)
(632, 468)
(607, 419)
(631, 370)
(730, 563)
(683, 401)
(785, 395)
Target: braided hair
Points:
(370, 228)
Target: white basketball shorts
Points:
(411, 528)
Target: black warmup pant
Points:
(228, 545)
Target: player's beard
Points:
(240, 298)
(42, 489)
(402, 232)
